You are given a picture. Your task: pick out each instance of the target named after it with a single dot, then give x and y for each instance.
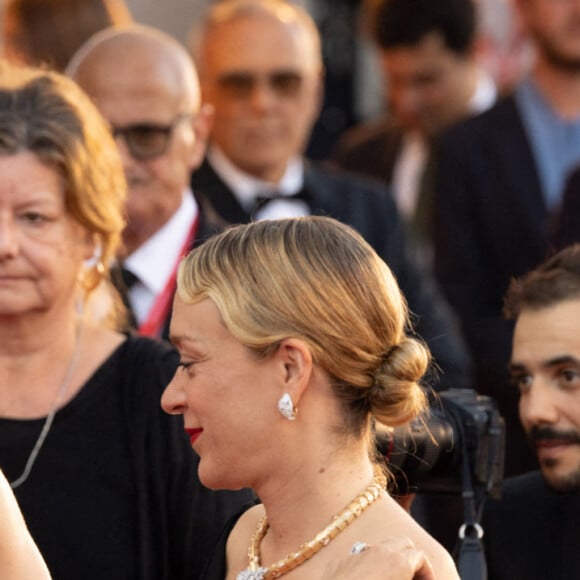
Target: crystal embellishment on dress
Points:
(286, 407)
(248, 574)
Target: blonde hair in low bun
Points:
(396, 395)
(318, 280)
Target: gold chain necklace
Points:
(353, 510)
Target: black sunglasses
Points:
(240, 85)
(148, 140)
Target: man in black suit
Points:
(426, 52)
(565, 229)
(499, 180)
(144, 84)
(532, 532)
(260, 67)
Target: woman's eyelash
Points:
(185, 365)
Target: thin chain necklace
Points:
(55, 406)
(353, 510)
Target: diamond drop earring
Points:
(287, 408)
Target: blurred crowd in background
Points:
(354, 87)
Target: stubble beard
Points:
(558, 59)
(564, 484)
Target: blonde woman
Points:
(292, 341)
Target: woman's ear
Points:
(298, 365)
(92, 249)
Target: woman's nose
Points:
(173, 398)
(8, 237)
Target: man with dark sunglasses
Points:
(149, 140)
(260, 66)
(145, 85)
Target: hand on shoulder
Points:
(392, 559)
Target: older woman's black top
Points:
(217, 568)
(114, 493)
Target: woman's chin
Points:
(218, 479)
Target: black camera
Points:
(461, 438)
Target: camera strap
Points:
(469, 552)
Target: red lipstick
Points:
(193, 434)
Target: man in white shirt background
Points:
(144, 83)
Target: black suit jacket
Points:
(566, 225)
(373, 149)
(532, 533)
(490, 224)
(372, 212)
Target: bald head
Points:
(275, 11)
(136, 52)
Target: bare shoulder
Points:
(402, 524)
(239, 538)
(441, 561)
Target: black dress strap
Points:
(216, 568)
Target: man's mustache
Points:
(550, 434)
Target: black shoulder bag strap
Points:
(469, 552)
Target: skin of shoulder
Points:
(237, 545)
(400, 524)
(19, 556)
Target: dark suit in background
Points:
(490, 224)
(374, 150)
(371, 149)
(566, 227)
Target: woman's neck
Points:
(35, 355)
(35, 332)
(300, 504)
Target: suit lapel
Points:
(208, 184)
(325, 197)
(209, 221)
(515, 153)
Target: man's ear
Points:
(319, 102)
(201, 125)
(296, 357)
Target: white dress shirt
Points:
(154, 261)
(246, 187)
